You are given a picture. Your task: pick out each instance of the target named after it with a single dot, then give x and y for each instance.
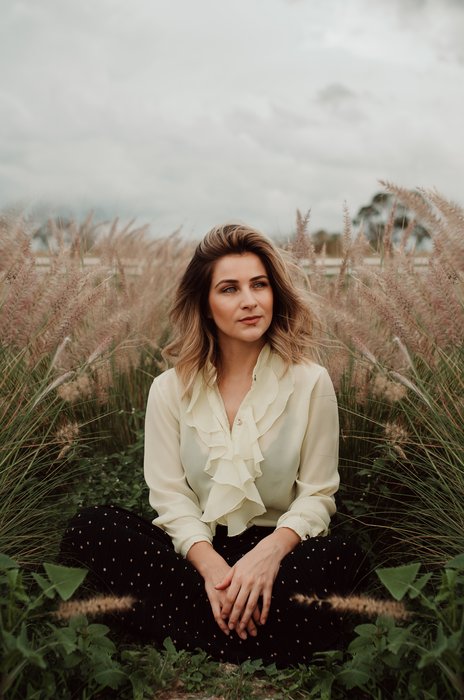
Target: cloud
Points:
(194, 113)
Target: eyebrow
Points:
(252, 279)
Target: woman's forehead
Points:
(238, 266)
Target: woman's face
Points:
(240, 299)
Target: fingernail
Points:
(254, 633)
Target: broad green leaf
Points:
(353, 678)
(96, 630)
(7, 563)
(66, 579)
(67, 638)
(419, 585)
(456, 563)
(366, 630)
(110, 678)
(397, 638)
(169, 646)
(44, 585)
(398, 579)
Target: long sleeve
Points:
(177, 505)
(318, 479)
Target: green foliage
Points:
(422, 658)
(41, 659)
(183, 672)
(115, 478)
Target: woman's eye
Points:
(260, 284)
(228, 290)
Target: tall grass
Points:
(395, 353)
(78, 350)
(36, 447)
(391, 338)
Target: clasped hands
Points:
(240, 596)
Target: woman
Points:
(241, 448)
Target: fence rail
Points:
(134, 266)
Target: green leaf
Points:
(67, 638)
(439, 648)
(44, 585)
(110, 678)
(366, 630)
(169, 646)
(66, 579)
(419, 585)
(397, 638)
(7, 563)
(353, 678)
(96, 630)
(398, 579)
(456, 563)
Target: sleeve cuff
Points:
(301, 526)
(186, 544)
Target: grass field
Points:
(79, 347)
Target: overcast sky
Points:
(194, 112)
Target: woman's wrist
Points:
(209, 564)
(284, 539)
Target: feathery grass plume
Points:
(418, 201)
(404, 351)
(347, 245)
(410, 385)
(67, 436)
(397, 436)
(77, 390)
(94, 607)
(360, 605)
(59, 350)
(53, 385)
(302, 247)
(384, 389)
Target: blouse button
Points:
(239, 421)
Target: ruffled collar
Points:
(234, 455)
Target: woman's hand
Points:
(218, 599)
(214, 569)
(252, 578)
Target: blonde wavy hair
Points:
(194, 344)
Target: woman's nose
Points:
(248, 299)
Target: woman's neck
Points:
(238, 359)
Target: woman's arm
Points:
(318, 479)
(178, 509)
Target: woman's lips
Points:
(250, 320)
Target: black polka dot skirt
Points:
(126, 554)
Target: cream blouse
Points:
(277, 466)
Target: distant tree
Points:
(62, 229)
(375, 215)
(331, 243)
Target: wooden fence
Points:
(134, 266)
